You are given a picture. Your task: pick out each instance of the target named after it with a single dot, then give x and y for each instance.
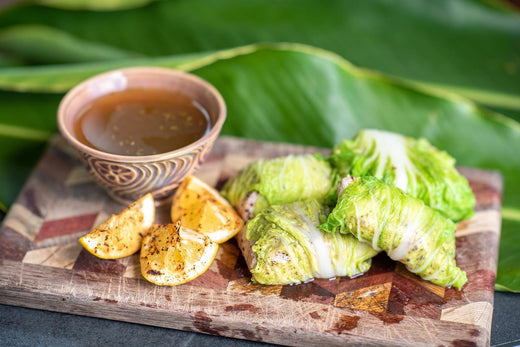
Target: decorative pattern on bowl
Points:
(128, 182)
(127, 178)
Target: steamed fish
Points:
(404, 227)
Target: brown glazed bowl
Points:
(127, 178)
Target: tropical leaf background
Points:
(298, 71)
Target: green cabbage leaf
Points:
(281, 180)
(404, 227)
(291, 249)
(415, 166)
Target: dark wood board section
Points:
(43, 266)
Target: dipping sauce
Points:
(141, 122)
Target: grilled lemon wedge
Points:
(201, 208)
(172, 254)
(121, 234)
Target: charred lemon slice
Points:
(121, 234)
(201, 208)
(172, 255)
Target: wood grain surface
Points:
(43, 266)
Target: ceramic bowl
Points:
(127, 178)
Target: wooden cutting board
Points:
(43, 266)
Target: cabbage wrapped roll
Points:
(282, 245)
(281, 181)
(404, 227)
(414, 166)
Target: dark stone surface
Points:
(505, 328)
(28, 327)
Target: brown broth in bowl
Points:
(141, 122)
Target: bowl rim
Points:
(173, 73)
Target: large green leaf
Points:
(467, 46)
(60, 78)
(37, 44)
(508, 276)
(95, 5)
(304, 95)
